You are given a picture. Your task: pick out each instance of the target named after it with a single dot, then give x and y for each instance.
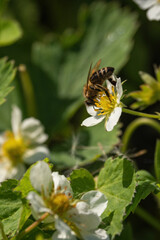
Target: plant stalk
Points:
(28, 91)
(133, 126)
(140, 114)
(147, 217)
(33, 225)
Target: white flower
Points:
(72, 218)
(107, 106)
(21, 145)
(153, 7)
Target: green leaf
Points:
(81, 181)
(86, 147)
(10, 207)
(10, 32)
(107, 35)
(145, 185)
(149, 92)
(3, 4)
(126, 234)
(157, 161)
(117, 181)
(7, 74)
(25, 185)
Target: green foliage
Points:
(149, 93)
(7, 74)
(157, 161)
(81, 181)
(10, 32)
(65, 70)
(86, 147)
(117, 181)
(24, 185)
(146, 184)
(10, 207)
(126, 234)
(3, 4)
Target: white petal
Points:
(144, 4)
(37, 205)
(84, 218)
(99, 234)
(36, 154)
(2, 139)
(113, 119)
(41, 178)
(119, 88)
(109, 86)
(33, 131)
(91, 110)
(96, 200)
(61, 183)
(63, 231)
(91, 121)
(16, 119)
(7, 171)
(154, 12)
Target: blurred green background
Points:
(56, 41)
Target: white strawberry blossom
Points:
(107, 106)
(72, 218)
(153, 7)
(23, 144)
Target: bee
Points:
(95, 80)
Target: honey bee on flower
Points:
(105, 102)
(23, 144)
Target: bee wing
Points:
(96, 67)
(89, 74)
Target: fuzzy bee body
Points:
(101, 75)
(95, 81)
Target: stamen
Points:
(13, 148)
(105, 101)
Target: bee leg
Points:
(94, 88)
(89, 102)
(112, 81)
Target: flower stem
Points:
(133, 126)
(28, 91)
(2, 232)
(147, 217)
(140, 114)
(32, 226)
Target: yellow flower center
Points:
(13, 148)
(59, 203)
(105, 102)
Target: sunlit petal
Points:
(63, 231)
(145, 4)
(61, 182)
(91, 121)
(113, 119)
(96, 200)
(16, 119)
(154, 12)
(36, 154)
(33, 131)
(41, 177)
(119, 88)
(91, 110)
(99, 234)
